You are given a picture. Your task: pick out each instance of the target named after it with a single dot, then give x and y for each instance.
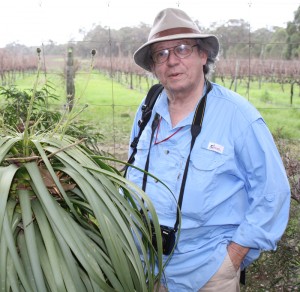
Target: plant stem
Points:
(29, 111)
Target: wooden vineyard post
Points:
(70, 79)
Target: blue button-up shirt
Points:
(236, 188)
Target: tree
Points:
(277, 46)
(234, 37)
(293, 37)
(259, 39)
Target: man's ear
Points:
(203, 55)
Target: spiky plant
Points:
(69, 221)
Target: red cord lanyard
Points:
(166, 139)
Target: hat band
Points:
(173, 31)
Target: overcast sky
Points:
(33, 22)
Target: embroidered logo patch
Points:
(215, 147)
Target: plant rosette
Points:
(70, 222)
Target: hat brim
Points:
(142, 55)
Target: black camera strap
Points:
(195, 131)
(147, 107)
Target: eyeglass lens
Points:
(181, 51)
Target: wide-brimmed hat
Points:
(172, 24)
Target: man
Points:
(232, 183)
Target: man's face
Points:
(179, 73)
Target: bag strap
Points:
(196, 128)
(147, 107)
(195, 131)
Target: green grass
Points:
(111, 106)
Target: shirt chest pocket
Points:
(204, 158)
(205, 166)
(207, 160)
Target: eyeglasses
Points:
(182, 51)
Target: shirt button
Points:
(167, 152)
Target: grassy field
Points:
(111, 106)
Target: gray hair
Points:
(205, 46)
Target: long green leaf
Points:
(6, 178)
(17, 264)
(45, 264)
(48, 238)
(68, 263)
(119, 258)
(87, 281)
(3, 262)
(12, 277)
(28, 222)
(14, 219)
(6, 145)
(21, 241)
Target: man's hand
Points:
(236, 253)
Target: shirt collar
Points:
(162, 108)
